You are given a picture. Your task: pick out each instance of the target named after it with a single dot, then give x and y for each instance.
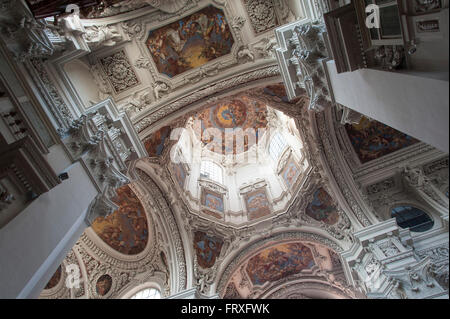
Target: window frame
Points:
(214, 171)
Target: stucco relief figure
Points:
(160, 87)
(266, 47)
(245, 53)
(97, 36)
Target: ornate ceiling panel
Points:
(126, 230)
(372, 139)
(190, 42)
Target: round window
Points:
(413, 218)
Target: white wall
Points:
(35, 242)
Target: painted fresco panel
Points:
(212, 200)
(290, 172)
(207, 249)
(257, 204)
(155, 144)
(190, 42)
(126, 230)
(322, 208)
(278, 262)
(372, 139)
(103, 285)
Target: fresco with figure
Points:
(190, 42)
(257, 204)
(372, 139)
(212, 203)
(103, 285)
(322, 208)
(55, 279)
(241, 114)
(290, 172)
(155, 144)
(126, 230)
(207, 249)
(278, 262)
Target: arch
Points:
(234, 261)
(154, 284)
(173, 237)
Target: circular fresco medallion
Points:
(103, 285)
(55, 279)
(230, 115)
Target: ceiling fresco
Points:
(290, 172)
(207, 249)
(278, 262)
(229, 116)
(257, 204)
(372, 139)
(155, 144)
(190, 42)
(103, 285)
(213, 203)
(55, 279)
(126, 230)
(322, 208)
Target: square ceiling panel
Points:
(190, 42)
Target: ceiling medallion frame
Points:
(145, 60)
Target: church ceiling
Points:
(372, 139)
(190, 42)
(126, 230)
(228, 116)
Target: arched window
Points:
(148, 293)
(212, 171)
(413, 218)
(277, 146)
